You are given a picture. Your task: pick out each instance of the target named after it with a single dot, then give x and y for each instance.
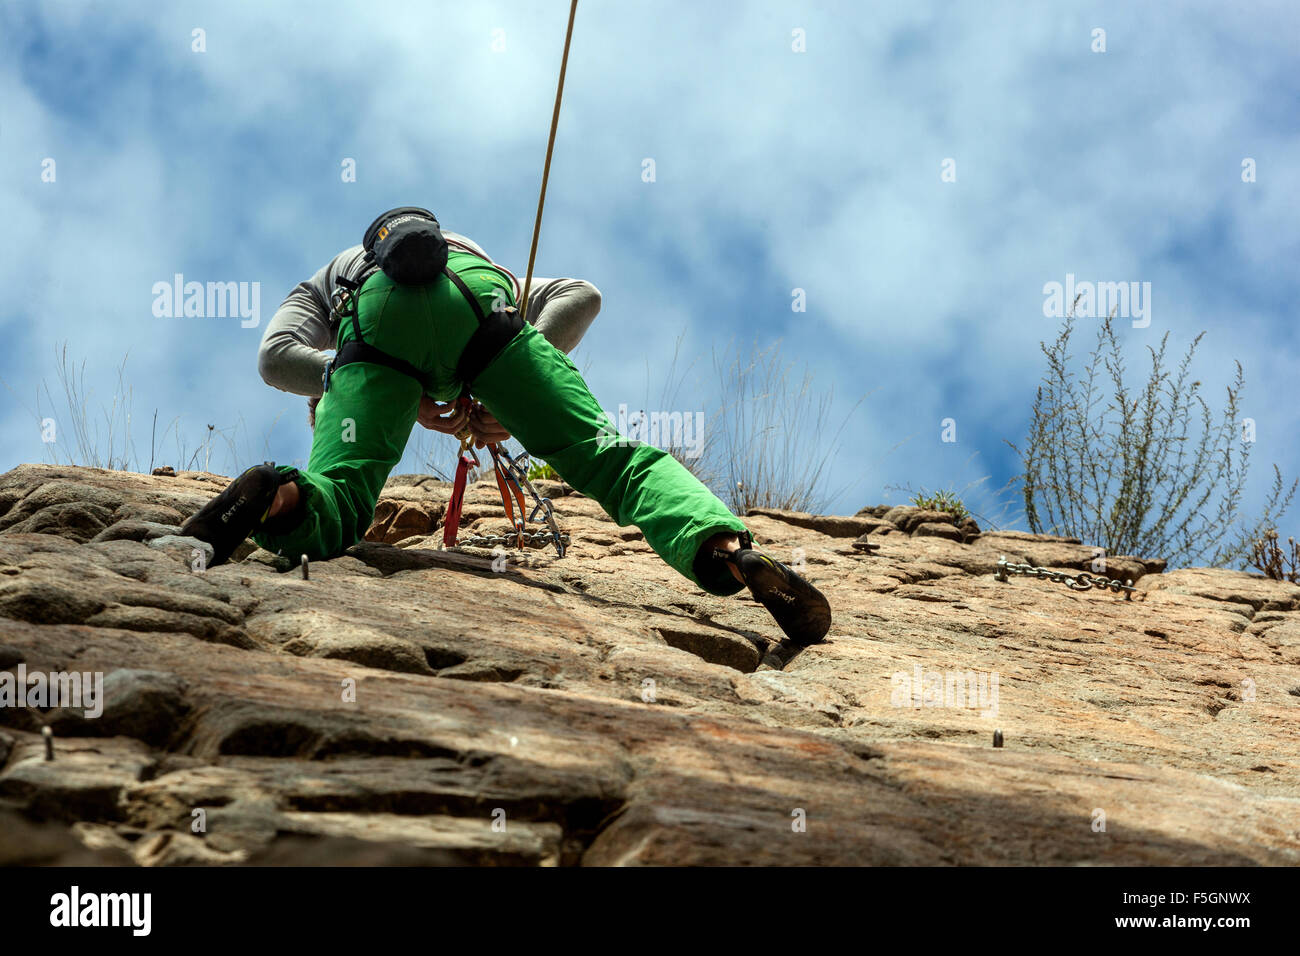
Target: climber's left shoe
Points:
(230, 517)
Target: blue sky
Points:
(775, 170)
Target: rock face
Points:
(410, 705)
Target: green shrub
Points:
(1147, 471)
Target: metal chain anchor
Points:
(534, 539)
(1083, 581)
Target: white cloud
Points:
(775, 170)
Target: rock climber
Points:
(406, 351)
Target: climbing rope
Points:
(1078, 582)
(512, 474)
(546, 167)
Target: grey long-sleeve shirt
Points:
(292, 355)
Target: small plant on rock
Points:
(946, 501)
(1277, 562)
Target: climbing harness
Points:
(1082, 581)
(494, 332)
(397, 243)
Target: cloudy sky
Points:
(919, 170)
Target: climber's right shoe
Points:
(802, 611)
(230, 517)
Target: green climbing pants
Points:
(365, 417)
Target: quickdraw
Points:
(507, 485)
(512, 479)
(516, 470)
(468, 460)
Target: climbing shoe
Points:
(799, 608)
(230, 517)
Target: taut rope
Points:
(546, 169)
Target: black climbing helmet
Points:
(407, 243)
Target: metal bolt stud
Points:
(304, 567)
(49, 741)
(997, 738)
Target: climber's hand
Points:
(485, 427)
(447, 419)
